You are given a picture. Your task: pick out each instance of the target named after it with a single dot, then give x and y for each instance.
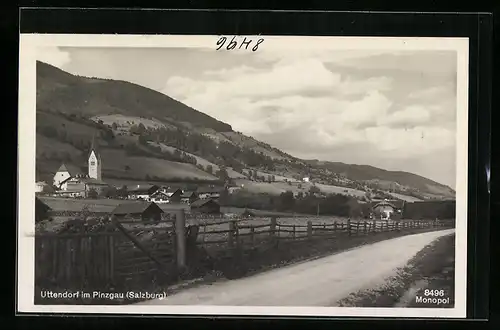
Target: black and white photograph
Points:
(246, 175)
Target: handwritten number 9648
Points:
(238, 44)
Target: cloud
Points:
(278, 101)
(53, 56)
(408, 117)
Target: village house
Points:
(43, 187)
(207, 206)
(166, 195)
(143, 192)
(64, 173)
(232, 190)
(385, 210)
(209, 192)
(140, 210)
(188, 197)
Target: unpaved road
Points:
(320, 282)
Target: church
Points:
(73, 182)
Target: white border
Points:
(29, 43)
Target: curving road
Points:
(320, 282)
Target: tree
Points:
(222, 174)
(92, 193)
(143, 140)
(210, 169)
(109, 192)
(122, 192)
(114, 126)
(287, 201)
(314, 190)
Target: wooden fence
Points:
(135, 250)
(131, 251)
(234, 233)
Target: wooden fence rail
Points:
(97, 258)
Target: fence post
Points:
(252, 236)
(273, 227)
(349, 227)
(237, 233)
(294, 236)
(230, 236)
(309, 229)
(365, 227)
(180, 231)
(374, 226)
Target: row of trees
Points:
(308, 203)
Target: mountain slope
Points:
(372, 174)
(61, 91)
(132, 121)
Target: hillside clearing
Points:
(126, 122)
(117, 162)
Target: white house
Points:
(306, 179)
(64, 173)
(42, 186)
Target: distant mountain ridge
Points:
(370, 173)
(68, 112)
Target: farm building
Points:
(138, 210)
(209, 192)
(143, 192)
(166, 195)
(384, 210)
(205, 206)
(81, 186)
(41, 210)
(232, 190)
(188, 197)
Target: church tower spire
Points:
(94, 161)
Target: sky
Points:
(391, 109)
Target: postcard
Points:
(242, 175)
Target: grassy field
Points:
(276, 188)
(95, 205)
(405, 197)
(125, 122)
(114, 161)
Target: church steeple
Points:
(94, 161)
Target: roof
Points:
(93, 181)
(70, 191)
(143, 188)
(205, 190)
(71, 169)
(201, 202)
(172, 190)
(384, 203)
(134, 208)
(95, 149)
(188, 194)
(39, 203)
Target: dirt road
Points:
(320, 282)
